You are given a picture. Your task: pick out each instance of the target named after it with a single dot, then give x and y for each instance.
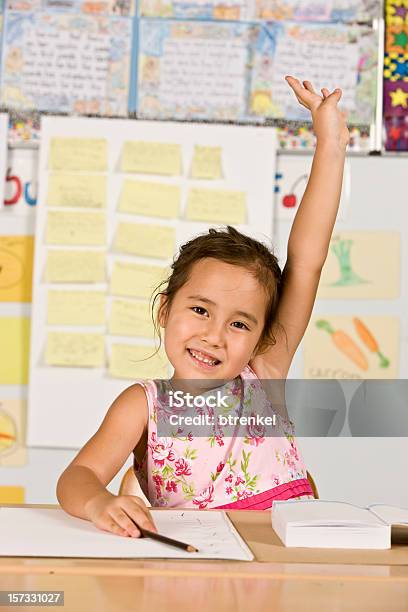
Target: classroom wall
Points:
(363, 470)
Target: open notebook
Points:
(329, 524)
(40, 532)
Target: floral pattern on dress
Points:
(186, 470)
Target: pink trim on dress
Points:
(262, 501)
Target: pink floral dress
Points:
(236, 472)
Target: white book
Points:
(317, 523)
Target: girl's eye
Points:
(240, 323)
(197, 308)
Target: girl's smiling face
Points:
(215, 321)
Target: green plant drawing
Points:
(348, 277)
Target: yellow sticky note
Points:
(85, 154)
(132, 362)
(14, 350)
(11, 495)
(216, 205)
(75, 266)
(151, 199)
(76, 308)
(145, 240)
(131, 318)
(81, 228)
(206, 163)
(151, 158)
(77, 190)
(135, 280)
(75, 350)
(16, 268)
(12, 433)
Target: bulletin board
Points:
(98, 255)
(234, 71)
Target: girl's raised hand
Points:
(111, 513)
(329, 122)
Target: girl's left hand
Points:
(329, 122)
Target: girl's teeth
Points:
(209, 361)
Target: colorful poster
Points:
(233, 10)
(120, 8)
(362, 265)
(352, 347)
(14, 349)
(269, 10)
(330, 55)
(87, 72)
(12, 433)
(16, 268)
(193, 70)
(318, 10)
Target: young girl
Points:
(228, 313)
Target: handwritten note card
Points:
(199, 70)
(131, 318)
(77, 190)
(87, 72)
(145, 240)
(206, 163)
(76, 308)
(151, 199)
(75, 266)
(216, 205)
(75, 349)
(86, 154)
(151, 158)
(135, 280)
(327, 54)
(135, 361)
(81, 228)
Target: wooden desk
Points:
(274, 581)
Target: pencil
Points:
(146, 533)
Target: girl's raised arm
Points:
(311, 231)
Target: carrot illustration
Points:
(345, 344)
(370, 342)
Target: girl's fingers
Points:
(124, 522)
(335, 95)
(306, 96)
(134, 507)
(113, 527)
(325, 92)
(308, 86)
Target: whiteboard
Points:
(66, 404)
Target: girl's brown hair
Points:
(234, 248)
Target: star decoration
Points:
(399, 98)
(401, 39)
